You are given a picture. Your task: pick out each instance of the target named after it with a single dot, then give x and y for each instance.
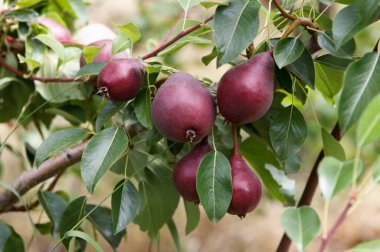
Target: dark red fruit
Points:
(245, 92)
(58, 31)
(105, 54)
(246, 187)
(185, 172)
(183, 109)
(121, 79)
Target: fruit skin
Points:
(185, 172)
(183, 109)
(121, 79)
(245, 92)
(105, 54)
(246, 187)
(58, 31)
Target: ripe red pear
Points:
(183, 109)
(105, 54)
(58, 31)
(246, 187)
(245, 92)
(121, 79)
(185, 172)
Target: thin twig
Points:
(179, 36)
(35, 203)
(338, 222)
(33, 77)
(30, 178)
(283, 12)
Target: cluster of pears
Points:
(183, 110)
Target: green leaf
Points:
(333, 62)
(328, 80)
(287, 51)
(192, 216)
(236, 26)
(27, 3)
(142, 106)
(10, 241)
(214, 185)
(58, 142)
(288, 131)
(52, 43)
(72, 216)
(326, 41)
(90, 52)
(209, 4)
(102, 151)
(303, 68)
(368, 129)
(287, 185)
(183, 42)
(292, 164)
(376, 171)
(91, 69)
(80, 9)
(106, 113)
(331, 147)
(86, 237)
(186, 4)
(54, 206)
(13, 98)
(159, 199)
(353, 19)
(359, 87)
(368, 246)
(209, 57)
(257, 153)
(102, 220)
(5, 81)
(335, 175)
(22, 15)
(174, 234)
(125, 205)
(131, 30)
(65, 114)
(302, 225)
(121, 43)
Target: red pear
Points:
(246, 187)
(245, 92)
(183, 109)
(121, 79)
(58, 31)
(185, 172)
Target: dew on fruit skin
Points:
(190, 135)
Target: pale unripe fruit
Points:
(183, 109)
(105, 54)
(245, 93)
(185, 172)
(246, 187)
(121, 79)
(58, 31)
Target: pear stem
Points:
(235, 136)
